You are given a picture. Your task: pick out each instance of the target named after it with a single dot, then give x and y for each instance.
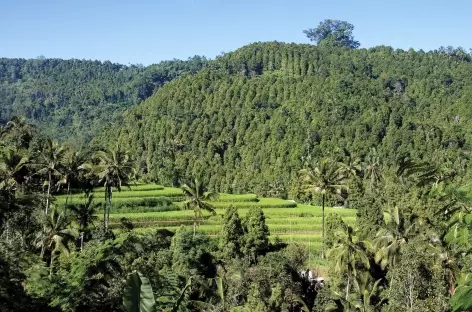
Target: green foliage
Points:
(370, 216)
(334, 224)
(416, 283)
(74, 99)
(462, 298)
(191, 254)
(266, 105)
(138, 295)
(256, 234)
(231, 235)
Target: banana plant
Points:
(138, 295)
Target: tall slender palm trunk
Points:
(67, 194)
(109, 207)
(105, 225)
(194, 223)
(323, 225)
(348, 285)
(48, 192)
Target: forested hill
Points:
(247, 119)
(75, 98)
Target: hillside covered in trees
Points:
(152, 216)
(73, 99)
(246, 121)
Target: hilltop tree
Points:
(326, 177)
(334, 33)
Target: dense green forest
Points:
(73, 99)
(253, 114)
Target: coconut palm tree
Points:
(12, 165)
(85, 214)
(17, 132)
(116, 168)
(198, 200)
(372, 168)
(72, 164)
(326, 177)
(55, 234)
(48, 164)
(348, 255)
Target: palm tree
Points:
(372, 168)
(115, 169)
(353, 168)
(71, 166)
(17, 132)
(198, 198)
(12, 165)
(347, 255)
(326, 177)
(55, 233)
(85, 214)
(48, 163)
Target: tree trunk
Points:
(348, 285)
(67, 194)
(81, 241)
(49, 192)
(194, 222)
(109, 207)
(105, 210)
(323, 226)
(51, 264)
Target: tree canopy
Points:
(334, 33)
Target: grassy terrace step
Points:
(301, 211)
(137, 187)
(167, 192)
(262, 203)
(134, 201)
(175, 193)
(237, 198)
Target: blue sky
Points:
(147, 32)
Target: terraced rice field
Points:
(287, 220)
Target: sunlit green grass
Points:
(301, 211)
(287, 221)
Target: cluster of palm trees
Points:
(59, 166)
(353, 257)
(29, 168)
